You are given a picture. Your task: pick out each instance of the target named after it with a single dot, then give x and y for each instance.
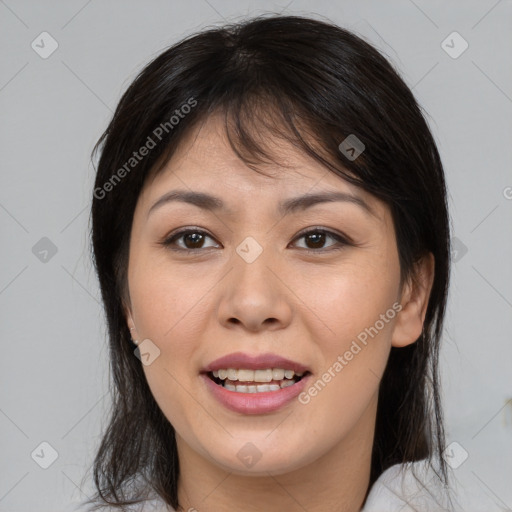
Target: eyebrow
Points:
(292, 205)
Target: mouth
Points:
(255, 384)
(255, 381)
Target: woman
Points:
(271, 237)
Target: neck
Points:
(337, 480)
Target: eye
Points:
(192, 239)
(316, 238)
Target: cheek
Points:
(169, 311)
(357, 307)
(346, 299)
(169, 305)
(352, 326)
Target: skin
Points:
(304, 305)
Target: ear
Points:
(131, 324)
(414, 301)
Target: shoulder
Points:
(406, 488)
(416, 487)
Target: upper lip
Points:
(240, 360)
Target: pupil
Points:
(317, 238)
(196, 239)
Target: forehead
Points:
(205, 160)
(204, 163)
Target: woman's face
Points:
(271, 281)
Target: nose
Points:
(254, 296)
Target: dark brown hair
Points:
(313, 84)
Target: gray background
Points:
(53, 368)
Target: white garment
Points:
(396, 490)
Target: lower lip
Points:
(255, 403)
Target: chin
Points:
(259, 457)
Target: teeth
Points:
(278, 374)
(260, 388)
(244, 375)
(232, 374)
(263, 375)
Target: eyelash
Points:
(344, 241)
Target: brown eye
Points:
(192, 239)
(195, 239)
(315, 239)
